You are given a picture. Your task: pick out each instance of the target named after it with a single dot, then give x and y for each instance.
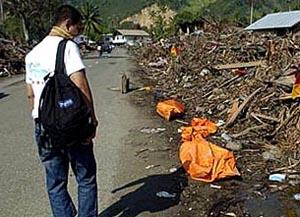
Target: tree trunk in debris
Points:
(1, 12)
(251, 14)
(25, 29)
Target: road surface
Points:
(124, 151)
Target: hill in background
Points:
(229, 10)
(147, 16)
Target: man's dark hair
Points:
(67, 12)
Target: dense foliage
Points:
(239, 10)
(28, 19)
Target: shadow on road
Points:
(158, 193)
(103, 57)
(3, 95)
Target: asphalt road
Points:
(118, 140)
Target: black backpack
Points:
(63, 112)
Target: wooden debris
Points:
(239, 65)
(242, 106)
(286, 168)
(233, 109)
(284, 123)
(248, 130)
(12, 57)
(181, 122)
(265, 117)
(124, 84)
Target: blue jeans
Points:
(56, 162)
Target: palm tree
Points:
(91, 18)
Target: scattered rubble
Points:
(235, 76)
(243, 80)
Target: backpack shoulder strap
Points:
(60, 57)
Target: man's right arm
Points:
(80, 80)
(30, 95)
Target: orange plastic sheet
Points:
(174, 51)
(169, 109)
(296, 87)
(203, 160)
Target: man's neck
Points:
(60, 31)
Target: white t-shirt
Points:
(40, 61)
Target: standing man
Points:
(56, 160)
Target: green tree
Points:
(35, 16)
(184, 16)
(162, 29)
(91, 19)
(195, 6)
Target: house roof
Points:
(276, 21)
(133, 32)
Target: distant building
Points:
(279, 23)
(130, 36)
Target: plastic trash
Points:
(172, 170)
(169, 109)
(233, 146)
(154, 130)
(297, 196)
(149, 167)
(220, 123)
(226, 137)
(215, 186)
(160, 63)
(164, 194)
(204, 72)
(277, 177)
(267, 155)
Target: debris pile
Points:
(242, 78)
(242, 81)
(12, 55)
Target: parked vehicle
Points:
(81, 39)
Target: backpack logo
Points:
(66, 103)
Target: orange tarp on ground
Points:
(296, 87)
(296, 91)
(203, 160)
(174, 51)
(169, 109)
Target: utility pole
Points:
(251, 14)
